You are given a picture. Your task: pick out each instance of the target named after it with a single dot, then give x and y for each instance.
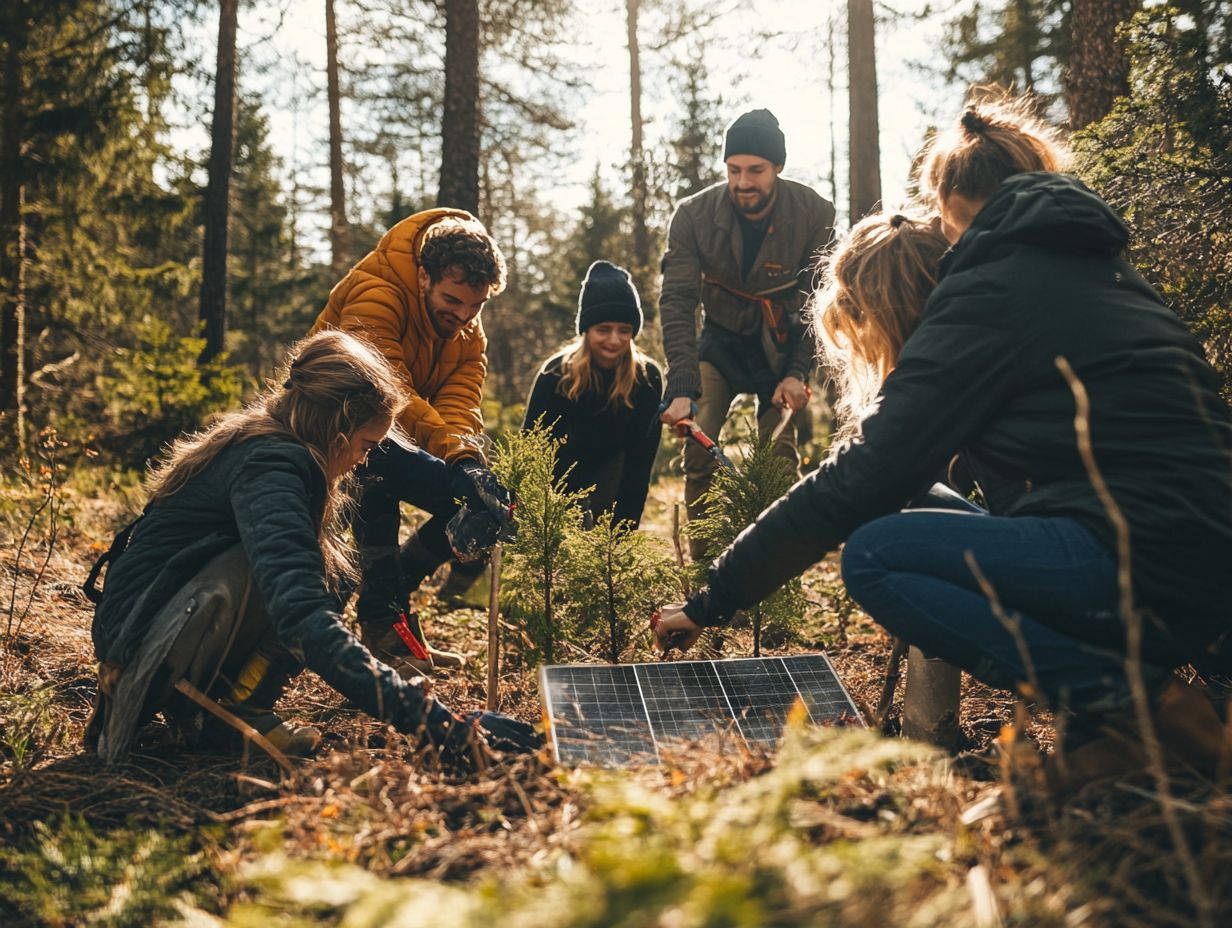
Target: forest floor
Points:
(840, 827)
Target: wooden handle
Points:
(494, 632)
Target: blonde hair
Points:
(874, 287)
(995, 137)
(334, 385)
(578, 374)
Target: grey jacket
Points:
(702, 267)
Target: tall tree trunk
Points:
(637, 157)
(1098, 67)
(1026, 44)
(12, 243)
(339, 244)
(865, 148)
(832, 97)
(213, 311)
(460, 121)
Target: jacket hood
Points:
(1054, 212)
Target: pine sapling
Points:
(547, 511)
(616, 577)
(733, 501)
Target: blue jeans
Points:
(1051, 576)
(395, 475)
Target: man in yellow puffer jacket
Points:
(417, 297)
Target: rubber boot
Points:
(459, 580)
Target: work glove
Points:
(486, 516)
(459, 742)
(509, 736)
(479, 485)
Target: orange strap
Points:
(774, 318)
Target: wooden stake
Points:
(676, 543)
(893, 673)
(235, 722)
(494, 632)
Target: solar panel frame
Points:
(679, 702)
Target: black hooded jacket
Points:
(1038, 276)
(267, 494)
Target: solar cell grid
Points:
(824, 695)
(761, 694)
(684, 700)
(623, 714)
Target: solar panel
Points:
(618, 714)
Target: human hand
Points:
(792, 393)
(673, 629)
(483, 485)
(680, 408)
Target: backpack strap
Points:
(91, 588)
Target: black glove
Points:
(486, 516)
(479, 485)
(460, 745)
(505, 734)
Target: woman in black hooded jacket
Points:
(1086, 413)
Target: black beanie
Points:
(757, 133)
(608, 295)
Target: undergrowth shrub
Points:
(68, 874)
(733, 501)
(1163, 159)
(616, 576)
(157, 389)
(30, 727)
(547, 512)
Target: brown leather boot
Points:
(1190, 731)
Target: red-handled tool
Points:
(674, 640)
(403, 628)
(687, 428)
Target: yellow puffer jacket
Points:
(379, 299)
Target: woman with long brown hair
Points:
(601, 395)
(235, 576)
(1087, 415)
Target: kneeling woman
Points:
(235, 576)
(601, 396)
(1033, 306)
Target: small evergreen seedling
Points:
(547, 511)
(616, 576)
(733, 501)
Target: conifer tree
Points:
(733, 501)
(1163, 159)
(616, 577)
(547, 513)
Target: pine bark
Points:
(12, 242)
(339, 244)
(637, 156)
(459, 186)
(865, 147)
(1098, 66)
(213, 309)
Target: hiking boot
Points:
(1190, 731)
(390, 647)
(460, 581)
(251, 695)
(292, 740)
(448, 659)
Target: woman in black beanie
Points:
(601, 396)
